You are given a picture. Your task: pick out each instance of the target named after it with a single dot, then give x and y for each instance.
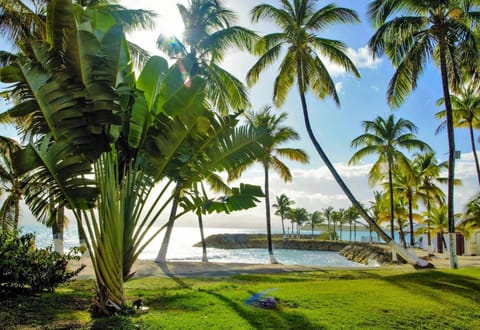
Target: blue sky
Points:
(361, 99)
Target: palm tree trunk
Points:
(328, 229)
(57, 230)
(410, 219)
(334, 230)
(202, 236)
(474, 149)
(417, 262)
(17, 213)
(267, 214)
(283, 225)
(162, 253)
(451, 156)
(350, 229)
(392, 204)
(402, 234)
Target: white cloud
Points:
(361, 57)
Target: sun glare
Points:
(169, 21)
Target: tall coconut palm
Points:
(209, 33)
(282, 206)
(11, 183)
(277, 135)
(327, 213)
(300, 22)
(466, 114)
(412, 32)
(386, 137)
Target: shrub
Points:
(22, 265)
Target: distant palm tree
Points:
(412, 32)
(337, 218)
(386, 138)
(10, 183)
(283, 205)
(315, 218)
(351, 215)
(466, 114)
(209, 33)
(298, 216)
(471, 217)
(428, 170)
(327, 213)
(276, 135)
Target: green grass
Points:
(374, 299)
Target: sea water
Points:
(183, 238)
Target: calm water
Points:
(183, 238)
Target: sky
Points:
(335, 127)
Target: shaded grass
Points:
(397, 298)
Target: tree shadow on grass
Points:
(267, 318)
(434, 284)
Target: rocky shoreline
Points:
(364, 253)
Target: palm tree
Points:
(351, 215)
(299, 216)
(337, 216)
(209, 33)
(283, 205)
(11, 183)
(412, 32)
(327, 213)
(428, 170)
(300, 23)
(315, 218)
(276, 135)
(471, 217)
(406, 185)
(386, 138)
(466, 114)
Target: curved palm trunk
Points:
(283, 225)
(267, 213)
(451, 157)
(415, 261)
(162, 253)
(474, 149)
(202, 236)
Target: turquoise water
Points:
(181, 248)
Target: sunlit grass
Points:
(397, 298)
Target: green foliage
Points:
(25, 266)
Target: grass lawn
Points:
(398, 298)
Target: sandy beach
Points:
(147, 268)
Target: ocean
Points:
(183, 238)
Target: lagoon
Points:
(183, 238)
